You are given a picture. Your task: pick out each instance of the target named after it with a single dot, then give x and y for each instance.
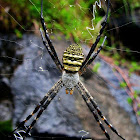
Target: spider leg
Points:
(55, 89)
(93, 56)
(43, 107)
(90, 106)
(97, 39)
(91, 99)
(41, 110)
(49, 51)
(57, 61)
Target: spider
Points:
(73, 66)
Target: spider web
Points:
(35, 73)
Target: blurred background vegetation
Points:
(71, 19)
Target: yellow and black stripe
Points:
(73, 58)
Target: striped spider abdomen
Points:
(73, 58)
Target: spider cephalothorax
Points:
(70, 80)
(73, 65)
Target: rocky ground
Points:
(67, 115)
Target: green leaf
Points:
(129, 100)
(96, 67)
(123, 84)
(137, 91)
(18, 33)
(138, 113)
(131, 70)
(6, 126)
(116, 62)
(123, 61)
(135, 95)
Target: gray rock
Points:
(31, 81)
(67, 114)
